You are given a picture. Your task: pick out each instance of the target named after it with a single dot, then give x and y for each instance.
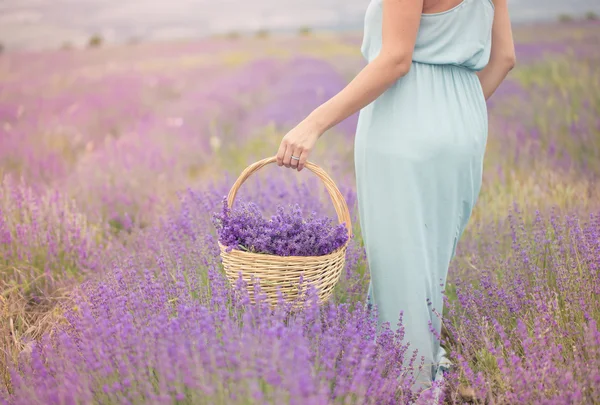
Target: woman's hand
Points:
(297, 144)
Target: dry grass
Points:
(25, 316)
(540, 189)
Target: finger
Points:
(287, 156)
(303, 159)
(281, 152)
(297, 153)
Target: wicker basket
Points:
(284, 272)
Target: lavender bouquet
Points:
(286, 233)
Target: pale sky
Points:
(49, 23)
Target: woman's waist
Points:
(444, 69)
(444, 83)
(427, 89)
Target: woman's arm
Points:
(401, 19)
(502, 57)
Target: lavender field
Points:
(112, 161)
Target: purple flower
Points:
(286, 233)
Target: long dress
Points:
(419, 152)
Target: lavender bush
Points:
(138, 310)
(45, 245)
(532, 313)
(152, 342)
(287, 233)
(164, 326)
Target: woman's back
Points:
(419, 151)
(459, 36)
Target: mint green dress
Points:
(419, 152)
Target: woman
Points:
(419, 147)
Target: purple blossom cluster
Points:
(163, 326)
(156, 322)
(287, 233)
(325, 80)
(528, 319)
(44, 233)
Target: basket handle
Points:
(339, 203)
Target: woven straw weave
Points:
(284, 273)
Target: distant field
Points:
(112, 160)
(50, 24)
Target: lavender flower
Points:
(286, 233)
(103, 149)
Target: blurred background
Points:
(53, 23)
